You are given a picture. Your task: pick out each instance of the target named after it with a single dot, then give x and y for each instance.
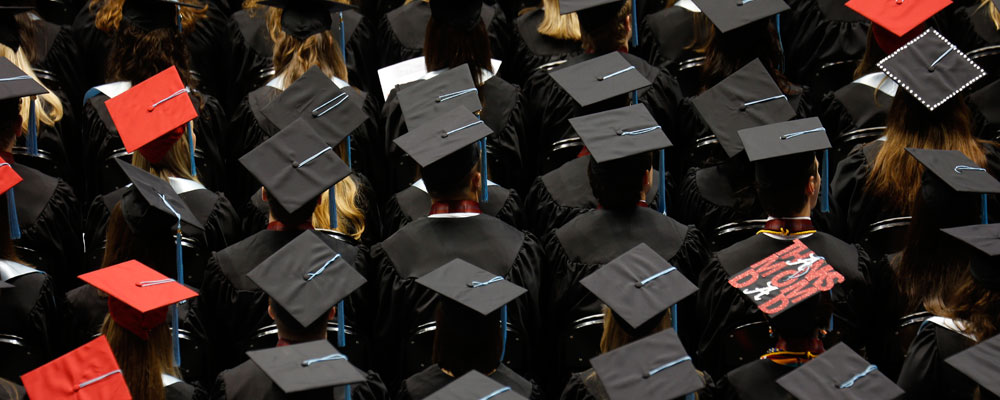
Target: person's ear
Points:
(263, 194)
(332, 315)
(270, 311)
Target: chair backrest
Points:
(265, 338)
(833, 75)
(357, 349)
(45, 161)
(48, 78)
(418, 349)
(847, 141)
(561, 152)
(688, 74)
(707, 151)
(989, 58)
(195, 258)
(550, 65)
(728, 234)
(111, 176)
(193, 356)
(887, 236)
(747, 343)
(264, 75)
(906, 329)
(18, 358)
(581, 343)
(33, 257)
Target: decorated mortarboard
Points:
(985, 239)
(784, 139)
(981, 363)
(304, 18)
(655, 367)
(638, 285)
(471, 286)
(747, 98)
(138, 296)
(474, 385)
(931, 69)
(296, 165)
(306, 366)
(452, 131)
(599, 78)
(786, 278)
(306, 277)
(425, 101)
(619, 133)
(159, 194)
(331, 111)
(90, 372)
(898, 17)
(839, 373)
(571, 6)
(461, 14)
(731, 14)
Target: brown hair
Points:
(725, 53)
(350, 216)
(556, 25)
(293, 57)
(978, 306)
(154, 249)
(448, 47)
(137, 54)
(49, 108)
(616, 334)
(142, 361)
(991, 10)
(601, 34)
(176, 163)
(109, 15)
(895, 175)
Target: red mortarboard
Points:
(898, 16)
(89, 372)
(138, 296)
(151, 109)
(786, 278)
(8, 177)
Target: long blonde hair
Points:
(555, 25)
(109, 15)
(48, 108)
(350, 216)
(293, 57)
(176, 163)
(142, 361)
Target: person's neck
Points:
(284, 340)
(812, 345)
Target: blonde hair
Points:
(48, 108)
(292, 57)
(109, 15)
(176, 163)
(991, 10)
(350, 216)
(142, 361)
(555, 25)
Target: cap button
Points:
(899, 1)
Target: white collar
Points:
(799, 218)
(487, 74)
(114, 89)
(181, 185)
(687, 5)
(419, 184)
(10, 270)
(168, 380)
(880, 81)
(409, 71)
(954, 325)
(454, 215)
(279, 82)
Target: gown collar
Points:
(687, 5)
(279, 82)
(10, 270)
(880, 81)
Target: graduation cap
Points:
(474, 385)
(145, 114)
(296, 165)
(306, 366)
(619, 133)
(153, 14)
(8, 179)
(599, 78)
(896, 22)
(452, 131)
(571, 6)
(981, 363)
(655, 367)
(331, 111)
(985, 238)
(138, 296)
(747, 98)
(5, 285)
(159, 195)
(10, 35)
(461, 14)
(88, 372)
(790, 138)
(638, 285)
(15, 83)
(931, 69)
(731, 14)
(306, 277)
(786, 278)
(960, 173)
(839, 373)
(424, 101)
(304, 18)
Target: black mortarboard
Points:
(471, 286)
(839, 373)
(451, 131)
(981, 363)
(424, 101)
(158, 195)
(306, 277)
(474, 385)
(5, 285)
(956, 170)
(619, 133)
(784, 139)
(638, 285)
(153, 14)
(985, 238)
(304, 18)
(931, 69)
(731, 14)
(599, 78)
(570, 6)
(747, 98)
(656, 367)
(331, 111)
(786, 278)
(296, 165)
(306, 366)
(15, 83)
(10, 35)
(461, 14)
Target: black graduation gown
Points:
(253, 50)
(231, 308)
(49, 218)
(925, 375)
(32, 310)
(851, 107)
(182, 391)
(503, 111)
(428, 243)
(723, 307)
(713, 196)
(529, 49)
(967, 24)
(413, 203)
(755, 381)
(814, 36)
(247, 381)
(985, 106)
(426, 382)
(667, 36)
(102, 141)
(401, 32)
(587, 385)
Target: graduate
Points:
(89, 371)
(852, 376)
(414, 203)
(448, 152)
(972, 24)
(470, 335)
(304, 281)
(674, 34)
(788, 187)
(977, 363)
(541, 35)
(816, 33)
(637, 289)
(295, 166)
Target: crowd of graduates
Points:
(499, 199)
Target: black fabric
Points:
(755, 381)
(31, 311)
(247, 381)
(412, 203)
(667, 37)
(87, 307)
(814, 37)
(428, 381)
(985, 106)
(714, 196)
(925, 375)
(852, 107)
(182, 391)
(402, 32)
(528, 49)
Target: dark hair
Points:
(782, 181)
(869, 61)
(447, 47)
(296, 217)
(155, 249)
(451, 175)
(137, 54)
(466, 340)
(803, 319)
(617, 184)
(605, 28)
(10, 114)
(725, 53)
(291, 329)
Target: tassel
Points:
(486, 172)
(350, 162)
(12, 222)
(825, 195)
(635, 23)
(503, 330)
(188, 131)
(986, 216)
(333, 207)
(662, 193)
(32, 140)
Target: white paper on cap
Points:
(408, 71)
